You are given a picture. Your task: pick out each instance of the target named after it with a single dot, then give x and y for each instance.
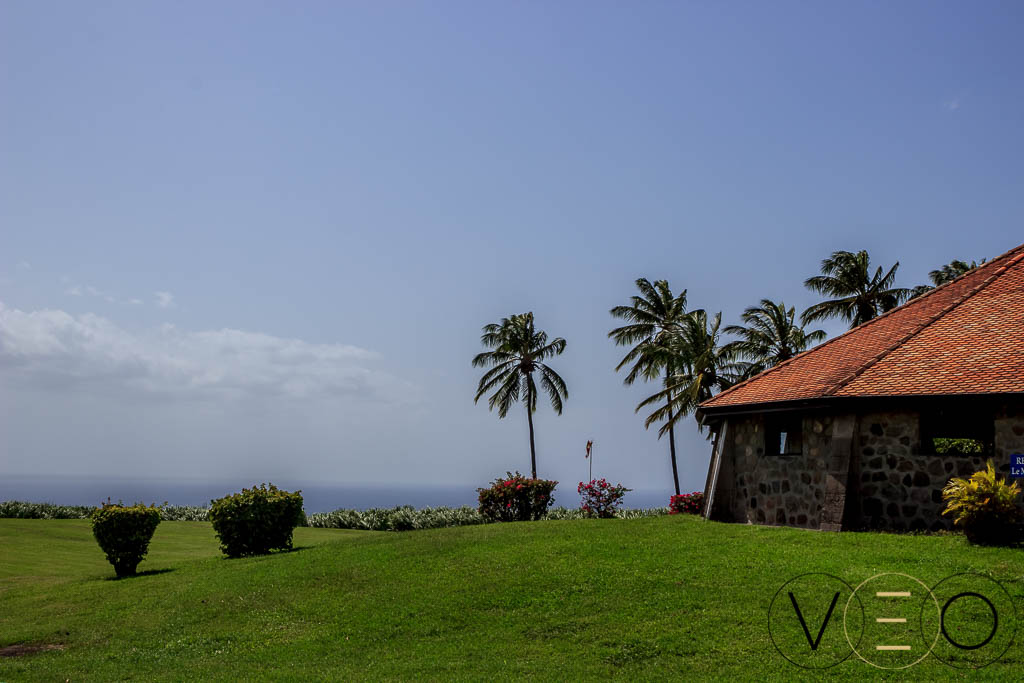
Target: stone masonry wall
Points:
(891, 484)
(896, 487)
(779, 490)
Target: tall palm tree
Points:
(519, 351)
(653, 318)
(771, 336)
(859, 295)
(701, 367)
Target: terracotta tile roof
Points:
(966, 337)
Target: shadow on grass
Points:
(148, 572)
(273, 553)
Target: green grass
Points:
(656, 598)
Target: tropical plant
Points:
(654, 318)
(946, 273)
(701, 368)
(858, 295)
(514, 498)
(985, 505)
(600, 499)
(770, 336)
(519, 351)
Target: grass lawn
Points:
(670, 597)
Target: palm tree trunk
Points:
(672, 441)
(529, 418)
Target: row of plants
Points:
(17, 509)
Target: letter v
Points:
(828, 615)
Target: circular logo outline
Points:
(922, 657)
(852, 650)
(1013, 635)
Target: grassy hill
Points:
(668, 597)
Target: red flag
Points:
(590, 444)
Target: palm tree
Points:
(859, 296)
(946, 273)
(653, 318)
(771, 336)
(519, 350)
(701, 368)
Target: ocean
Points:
(316, 497)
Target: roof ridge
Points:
(827, 342)
(920, 328)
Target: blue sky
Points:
(259, 240)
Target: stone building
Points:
(864, 430)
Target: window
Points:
(957, 430)
(784, 435)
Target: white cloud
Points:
(135, 302)
(951, 105)
(74, 291)
(24, 265)
(54, 349)
(164, 299)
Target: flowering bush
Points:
(599, 498)
(514, 498)
(688, 503)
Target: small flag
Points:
(590, 444)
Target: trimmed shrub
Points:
(687, 503)
(514, 498)
(600, 499)
(124, 532)
(257, 520)
(985, 506)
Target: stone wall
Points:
(894, 487)
(890, 484)
(784, 490)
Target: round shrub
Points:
(257, 520)
(124, 532)
(514, 498)
(687, 503)
(985, 506)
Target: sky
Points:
(252, 241)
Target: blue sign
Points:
(1017, 466)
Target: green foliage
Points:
(653, 319)
(858, 294)
(770, 336)
(944, 446)
(124, 532)
(700, 368)
(17, 509)
(985, 505)
(519, 350)
(401, 518)
(514, 498)
(257, 520)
